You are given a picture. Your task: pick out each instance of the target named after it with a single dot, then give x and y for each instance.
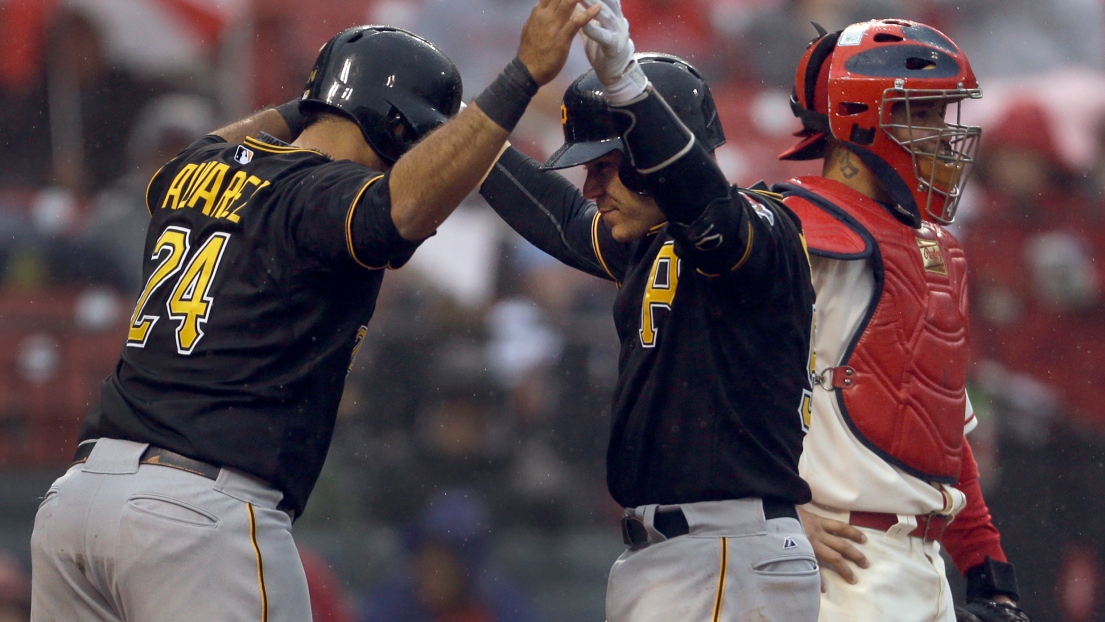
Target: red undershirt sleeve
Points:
(972, 535)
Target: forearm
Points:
(545, 209)
(675, 168)
(430, 180)
(972, 537)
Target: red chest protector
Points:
(901, 381)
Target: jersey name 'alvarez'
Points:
(205, 187)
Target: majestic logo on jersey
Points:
(931, 256)
(663, 280)
(243, 155)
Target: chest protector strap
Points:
(901, 381)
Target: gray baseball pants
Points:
(115, 541)
(733, 565)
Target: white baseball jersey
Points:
(844, 474)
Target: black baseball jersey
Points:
(712, 398)
(262, 267)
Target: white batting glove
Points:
(610, 50)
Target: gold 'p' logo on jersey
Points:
(563, 114)
(931, 256)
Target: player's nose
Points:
(594, 186)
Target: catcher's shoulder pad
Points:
(990, 611)
(825, 233)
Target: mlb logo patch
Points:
(243, 155)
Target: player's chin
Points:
(626, 232)
(616, 227)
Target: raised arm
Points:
(718, 228)
(283, 122)
(678, 170)
(551, 213)
(430, 180)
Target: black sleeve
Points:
(210, 139)
(342, 212)
(744, 235)
(551, 213)
(671, 164)
(719, 229)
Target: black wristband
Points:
(292, 116)
(505, 100)
(990, 578)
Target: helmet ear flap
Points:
(812, 72)
(822, 49)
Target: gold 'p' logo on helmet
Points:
(563, 114)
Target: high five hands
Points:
(547, 36)
(610, 50)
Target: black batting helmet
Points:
(589, 130)
(394, 84)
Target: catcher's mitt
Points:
(989, 611)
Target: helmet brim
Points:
(811, 147)
(574, 154)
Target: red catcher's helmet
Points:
(849, 83)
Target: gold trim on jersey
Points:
(149, 185)
(766, 193)
(748, 249)
(595, 246)
(260, 563)
(740, 262)
(349, 225)
(752, 232)
(719, 598)
(271, 148)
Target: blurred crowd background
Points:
(466, 482)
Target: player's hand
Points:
(547, 36)
(610, 50)
(832, 544)
(607, 42)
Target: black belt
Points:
(163, 457)
(672, 523)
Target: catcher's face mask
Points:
(883, 88)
